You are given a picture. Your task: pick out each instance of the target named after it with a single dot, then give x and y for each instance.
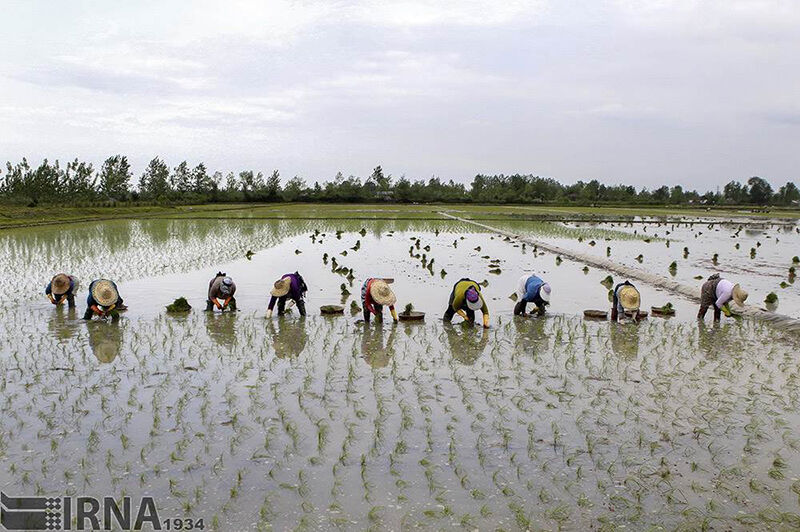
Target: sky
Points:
(647, 93)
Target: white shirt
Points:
(724, 292)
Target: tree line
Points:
(79, 183)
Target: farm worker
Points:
(531, 289)
(290, 286)
(719, 292)
(465, 299)
(62, 287)
(375, 294)
(103, 299)
(221, 287)
(626, 299)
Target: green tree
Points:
(154, 182)
(760, 191)
(115, 176)
(272, 189)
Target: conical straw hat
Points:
(381, 293)
(60, 284)
(281, 287)
(739, 295)
(629, 297)
(104, 292)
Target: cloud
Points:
(603, 89)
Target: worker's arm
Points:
(97, 310)
(51, 298)
(393, 313)
(485, 320)
(61, 299)
(271, 305)
(541, 309)
(463, 314)
(225, 303)
(726, 309)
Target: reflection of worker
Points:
(105, 339)
(465, 299)
(222, 328)
(63, 325)
(718, 293)
(221, 287)
(103, 299)
(373, 349)
(466, 343)
(290, 286)
(531, 289)
(375, 294)
(289, 339)
(624, 340)
(62, 287)
(626, 299)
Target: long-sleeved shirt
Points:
(724, 292)
(366, 298)
(49, 288)
(528, 288)
(297, 289)
(214, 291)
(459, 295)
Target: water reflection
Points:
(712, 337)
(624, 339)
(221, 328)
(105, 339)
(531, 336)
(63, 323)
(377, 345)
(467, 342)
(288, 335)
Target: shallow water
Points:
(252, 423)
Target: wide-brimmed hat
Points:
(544, 292)
(60, 284)
(104, 292)
(628, 297)
(381, 293)
(739, 295)
(281, 287)
(473, 299)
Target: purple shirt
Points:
(296, 289)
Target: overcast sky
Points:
(677, 92)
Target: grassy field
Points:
(17, 216)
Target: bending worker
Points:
(290, 286)
(375, 294)
(719, 292)
(465, 299)
(626, 299)
(221, 287)
(103, 299)
(60, 288)
(531, 289)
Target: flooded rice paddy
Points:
(323, 422)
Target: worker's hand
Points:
(216, 303)
(726, 310)
(463, 314)
(97, 310)
(51, 298)
(394, 315)
(62, 299)
(112, 307)
(269, 313)
(485, 321)
(225, 303)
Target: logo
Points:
(83, 513)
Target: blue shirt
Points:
(90, 299)
(49, 288)
(532, 286)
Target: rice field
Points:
(323, 422)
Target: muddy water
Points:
(312, 423)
